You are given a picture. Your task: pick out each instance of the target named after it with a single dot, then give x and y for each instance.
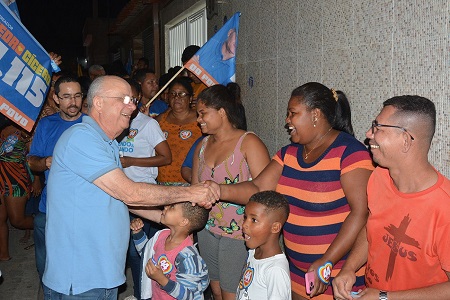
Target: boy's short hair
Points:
(274, 202)
(197, 216)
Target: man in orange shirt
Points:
(406, 242)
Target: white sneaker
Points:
(131, 297)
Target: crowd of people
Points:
(182, 193)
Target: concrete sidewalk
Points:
(20, 279)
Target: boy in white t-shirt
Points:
(266, 273)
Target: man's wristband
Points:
(383, 295)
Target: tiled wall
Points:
(371, 50)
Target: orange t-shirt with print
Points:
(180, 139)
(408, 234)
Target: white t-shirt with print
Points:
(145, 134)
(266, 278)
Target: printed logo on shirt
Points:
(247, 277)
(185, 134)
(132, 134)
(127, 146)
(165, 264)
(400, 244)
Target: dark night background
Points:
(57, 24)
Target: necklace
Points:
(317, 144)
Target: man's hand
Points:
(154, 272)
(368, 294)
(343, 283)
(204, 194)
(136, 225)
(213, 184)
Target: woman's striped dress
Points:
(318, 204)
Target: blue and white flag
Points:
(215, 62)
(25, 71)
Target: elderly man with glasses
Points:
(67, 94)
(87, 230)
(406, 241)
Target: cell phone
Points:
(310, 277)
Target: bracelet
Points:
(383, 295)
(324, 272)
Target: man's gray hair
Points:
(94, 68)
(95, 88)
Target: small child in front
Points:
(172, 266)
(266, 273)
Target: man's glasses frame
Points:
(376, 124)
(67, 97)
(126, 99)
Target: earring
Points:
(314, 121)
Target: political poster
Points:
(25, 71)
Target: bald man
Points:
(87, 231)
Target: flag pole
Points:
(164, 87)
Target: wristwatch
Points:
(383, 295)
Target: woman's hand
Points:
(125, 162)
(145, 109)
(36, 187)
(319, 286)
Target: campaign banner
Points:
(215, 62)
(25, 71)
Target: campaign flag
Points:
(25, 71)
(215, 62)
(13, 7)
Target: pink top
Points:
(166, 260)
(226, 218)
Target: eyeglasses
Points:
(376, 124)
(67, 97)
(179, 94)
(126, 99)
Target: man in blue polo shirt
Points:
(68, 96)
(87, 229)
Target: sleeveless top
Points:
(226, 218)
(180, 139)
